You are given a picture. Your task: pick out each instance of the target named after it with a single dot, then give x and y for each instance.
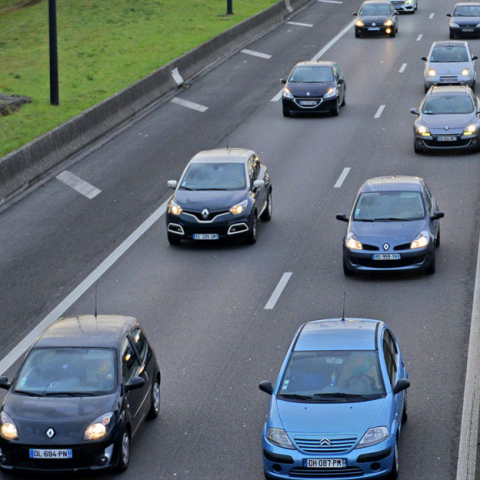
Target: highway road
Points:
(203, 304)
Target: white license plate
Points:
(446, 138)
(50, 454)
(373, 29)
(467, 29)
(386, 256)
(448, 80)
(324, 463)
(308, 102)
(205, 236)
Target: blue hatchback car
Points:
(339, 403)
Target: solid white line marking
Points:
(177, 77)
(379, 111)
(342, 177)
(256, 54)
(65, 304)
(300, 24)
(431, 15)
(467, 451)
(329, 1)
(333, 41)
(278, 290)
(419, 37)
(81, 186)
(402, 68)
(289, 7)
(186, 103)
(277, 97)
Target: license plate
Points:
(324, 463)
(308, 102)
(467, 29)
(448, 80)
(205, 236)
(446, 138)
(50, 454)
(371, 29)
(386, 256)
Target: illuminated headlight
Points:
(373, 436)
(279, 437)
(286, 93)
(236, 209)
(352, 243)
(388, 23)
(465, 72)
(8, 429)
(175, 209)
(421, 241)
(422, 130)
(470, 129)
(98, 428)
(359, 23)
(330, 93)
(432, 72)
(409, 2)
(456, 25)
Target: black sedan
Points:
(448, 118)
(80, 396)
(314, 87)
(376, 18)
(465, 20)
(220, 195)
(394, 225)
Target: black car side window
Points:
(251, 169)
(391, 344)
(140, 342)
(390, 362)
(429, 198)
(130, 363)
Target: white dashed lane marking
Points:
(402, 68)
(431, 16)
(187, 104)
(81, 186)
(379, 111)
(419, 37)
(256, 54)
(300, 24)
(329, 1)
(278, 290)
(342, 177)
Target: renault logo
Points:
(325, 442)
(386, 246)
(50, 433)
(308, 94)
(446, 127)
(373, 24)
(205, 213)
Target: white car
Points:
(405, 5)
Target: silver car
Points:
(407, 6)
(449, 63)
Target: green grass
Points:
(103, 46)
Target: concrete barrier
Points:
(26, 166)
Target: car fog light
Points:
(102, 460)
(388, 30)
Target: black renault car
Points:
(376, 18)
(394, 225)
(314, 87)
(220, 195)
(80, 396)
(465, 20)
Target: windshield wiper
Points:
(342, 395)
(363, 220)
(295, 395)
(186, 188)
(390, 219)
(208, 189)
(71, 394)
(30, 394)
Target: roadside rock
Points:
(10, 103)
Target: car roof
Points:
(450, 43)
(223, 155)
(394, 183)
(464, 4)
(449, 90)
(375, 2)
(338, 334)
(313, 63)
(86, 331)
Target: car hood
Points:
(310, 89)
(449, 68)
(378, 19)
(328, 418)
(213, 200)
(68, 416)
(395, 233)
(463, 21)
(456, 123)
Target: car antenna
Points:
(343, 310)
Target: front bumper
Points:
(321, 106)
(465, 31)
(367, 30)
(463, 142)
(365, 463)
(449, 80)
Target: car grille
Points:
(211, 216)
(398, 4)
(372, 248)
(402, 262)
(325, 472)
(403, 246)
(337, 444)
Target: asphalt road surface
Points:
(202, 304)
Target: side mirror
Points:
(449, 14)
(438, 216)
(341, 80)
(414, 111)
(283, 80)
(4, 383)
(135, 383)
(396, 13)
(354, 14)
(474, 57)
(266, 387)
(258, 183)
(172, 184)
(401, 385)
(424, 59)
(342, 217)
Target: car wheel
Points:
(357, 34)
(124, 452)
(452, 36)
(346, 271)
(344, 100)
(267, 476)
(173, 239)
(155, 402)
(336, 109)
(415, 148)
(393, 33)
(437, 240)
(286, 112)
(431, 269)
(267, 213)
(405, 414)
(252, 233)
(426, 89)
(394, 472)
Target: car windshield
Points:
(449, 54)
(389, 205)
(332, 376)
(375, 9)
(67, 372)
(214, 176)
(311, 75)
(467, 11)
(446, 104)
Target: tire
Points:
(155, 401)
(252, 233)
(346, 271)
(266, 216)
(431, 269)
(415, 148)
(357, 35)
(173, 239)
(124, 453)
(335, 110)
(426, 88)
(392, 35)
(286, 113)
(437, 240)
(452, 36)
(344, 101)
(393, 475)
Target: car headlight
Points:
(359, 23)
(175, 209)
(286, 93)
(421, 240)
(422, 130)
(236, 209)
(373, 436)
(470, 129)
(478, 26)
(352, 243)
(279, 437)
(98, 428)
(8, 429)
(432, 73)
(465, 72)
(455, 25)
(330, 93)
(388, 23)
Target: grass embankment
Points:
(103, 46)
